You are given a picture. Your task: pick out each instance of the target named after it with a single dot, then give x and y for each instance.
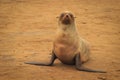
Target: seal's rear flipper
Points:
(78, 64)
(53, 57)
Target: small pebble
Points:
(102, 78)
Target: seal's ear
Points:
(57, 17)
(75, 17)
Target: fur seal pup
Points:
(68, 47)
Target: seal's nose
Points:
(66, 15)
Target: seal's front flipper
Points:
(53, 57)
(78, 64)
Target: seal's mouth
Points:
(66, 18)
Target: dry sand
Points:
(27, 29)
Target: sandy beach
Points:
(27, 30)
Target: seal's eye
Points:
(62, 15)
(71, 15)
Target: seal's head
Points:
(66, 18)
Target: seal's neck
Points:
(65, 28)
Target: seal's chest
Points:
(65, 53)
(65, 49)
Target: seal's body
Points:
(68, 47)
(68, 43)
